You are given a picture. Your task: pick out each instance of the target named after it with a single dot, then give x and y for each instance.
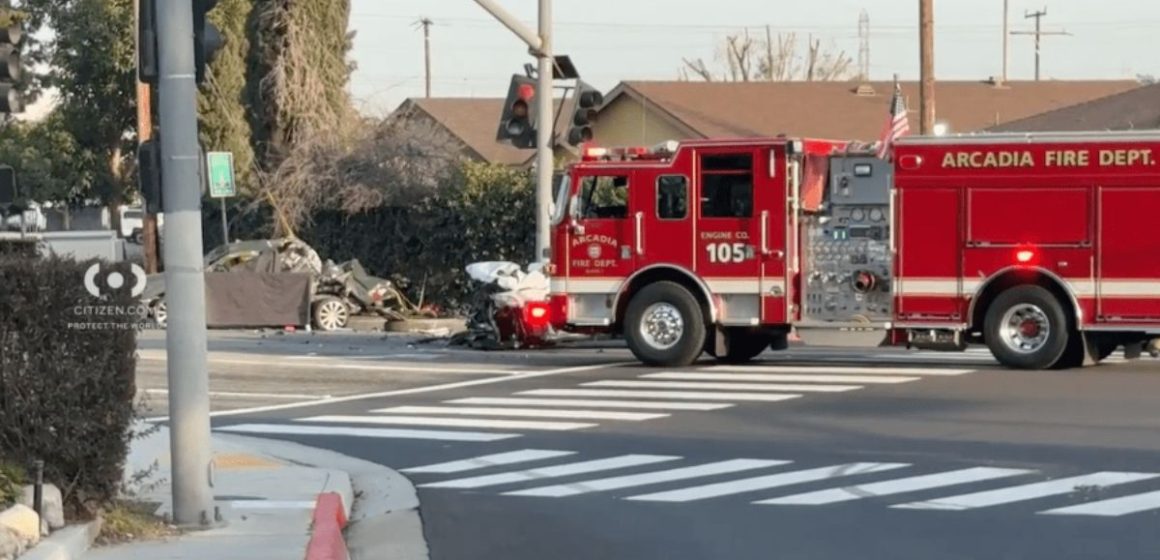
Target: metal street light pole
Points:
(540, 45)
(189, 428)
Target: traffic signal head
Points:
(9, 192)
(207, 38)
(588, 102)
(11, 68)
(517, 124)
(149, 175)
(148, 70)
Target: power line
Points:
(1038, 33)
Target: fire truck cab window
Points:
(727, 186)
(672, 197)
(604, 197)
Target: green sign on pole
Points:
(221, 175)
(221, 183)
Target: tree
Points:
(221, 105)
(50, 165)
(298, 73)
(91, 60)
(769, 60)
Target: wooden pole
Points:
(144, 134)
(926, 38)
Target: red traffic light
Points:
(526, 92)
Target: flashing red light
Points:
(537, 314)
(1025, 256)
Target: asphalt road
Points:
(818, 453)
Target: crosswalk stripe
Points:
(628, 481)
(523, 412)
(840, 370)
(451, 422)
(381, 433)
(684, 395)
(780, 377)
(765, 482)
(552, 472)
(590, 403)
(484, 461)
(1027, 491)
(898, 486)
(711, 386)
(1113, 507)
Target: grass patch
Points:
(126, 521)
(12, 481)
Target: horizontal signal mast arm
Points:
(530, 37)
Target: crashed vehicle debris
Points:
(339, 291)
(509, 308)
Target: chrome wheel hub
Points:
(662, 326)
(1025, 328)
(332, 315)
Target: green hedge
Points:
(66, 387)
(489, 214)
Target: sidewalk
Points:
(267, 493)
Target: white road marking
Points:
(780, 377)
(711, 386)
(841, 370)
(382, 433)
(485, 461)
(450, 422)
(411, 391)
(1113, 507)
(1027, 491)
(523, 412)
(683, 395)
(898, 486)
(590, 403)
(242, 395)
(765, 482)
(552, 472)
(629, 481)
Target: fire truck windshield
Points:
(560, 201)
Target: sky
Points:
(615, 40)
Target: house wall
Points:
(626, 122)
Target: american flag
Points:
(897, 124)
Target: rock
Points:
(23, 522)
(10, 544)
(53, 504)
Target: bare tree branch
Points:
(774, 59)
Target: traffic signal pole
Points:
(540, 45)
(544, 160)
(189, 427)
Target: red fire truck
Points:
(1042, 247)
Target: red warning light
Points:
(1025, 256)
(526, 92)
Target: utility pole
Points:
(1006, 37)
(189, 427)
(540, 46)
(926, 56)
(426, 24)
(1038, 33)
(863, 46)
(144, 134)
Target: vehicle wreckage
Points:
(338, 291)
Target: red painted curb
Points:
(326, 539)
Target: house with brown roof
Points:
(1134, 109)
(474, 122)
(645, 113)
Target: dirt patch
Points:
(126, 521)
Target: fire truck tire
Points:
(664, 326)
(1027, 328)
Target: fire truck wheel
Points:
(664, 326)
(1026, 328)
(745, 345)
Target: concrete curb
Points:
(70, 543)
(384, 521)
(326, 539)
